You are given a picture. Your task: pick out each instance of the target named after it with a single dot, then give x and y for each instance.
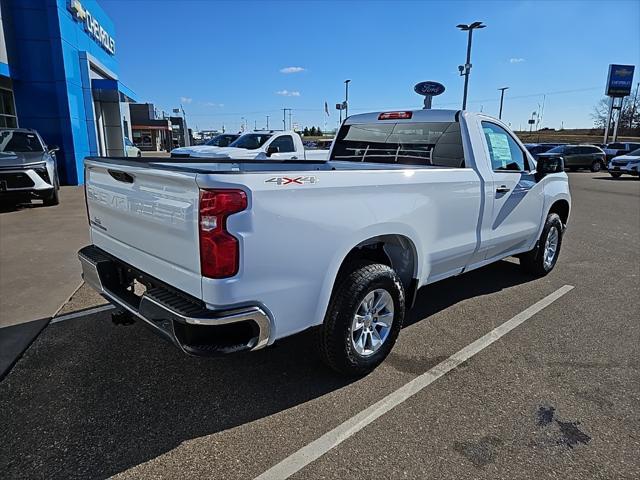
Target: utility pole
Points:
(633, 106)
(284, 118)
(501, 100)
(346, 98)
(290, 125)
(466, 68)
(267, 122)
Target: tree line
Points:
(312, 132)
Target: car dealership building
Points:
(59, 75)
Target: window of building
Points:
(505, 153)
(8, 118)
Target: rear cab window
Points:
(406, 143)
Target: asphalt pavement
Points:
(556, 397)
(39, 269)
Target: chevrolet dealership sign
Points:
(92, 26)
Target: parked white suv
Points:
(27, 166)
(130, 149)
(234, 254)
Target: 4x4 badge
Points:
(281, 181)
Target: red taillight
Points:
(395, 115)
(219, 250)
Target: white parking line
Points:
(342, 432)
(81, 313)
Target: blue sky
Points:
(224, 60)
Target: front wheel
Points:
(544, 256)
(363, 320)
(596, 166)
(615, 174)
(52, 197)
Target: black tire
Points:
(615, 174)
(596, 166)
(139, 155)
(52, 198)
(534, 261)
(335, 336)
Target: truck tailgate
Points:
(147, 218)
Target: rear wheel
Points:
(363, 320)
(544, 256)
(615, 174)
(596, 166)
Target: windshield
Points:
(251, 141)
(559, 149)
(11, 141)
(635, 153)
(424, 143)
(221, 140)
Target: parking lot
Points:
(556, 397)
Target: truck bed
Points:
(210, 165)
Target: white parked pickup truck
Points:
(225, 255)
(277, 145)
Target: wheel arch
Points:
(562, 208)
(394, 250)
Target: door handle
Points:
(503, 189)
(294, 158)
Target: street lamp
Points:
(466, 68)
(501, 100)
(346, 98)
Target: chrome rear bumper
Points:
(170, 313)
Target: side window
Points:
(505, 153)
(284, 144)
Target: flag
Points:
(326, 108)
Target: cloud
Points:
(516, 60)
(287, 93)
(292, 70)
(213, 104)
(186, 100)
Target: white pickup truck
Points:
(227, 255)
(277, 145)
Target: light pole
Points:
(501, 100)
(466, 68)
(267, 122)
(346, 98)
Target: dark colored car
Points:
(536, 149)
(579, 156)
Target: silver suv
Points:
(27, 166)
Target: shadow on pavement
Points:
(490, 279)
(90, 399)
(7, 205)
(623, 178)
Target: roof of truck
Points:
(416, 116)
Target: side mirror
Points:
(53, 148)
(548, 165)
(271, 149)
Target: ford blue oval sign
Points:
(429, 88)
